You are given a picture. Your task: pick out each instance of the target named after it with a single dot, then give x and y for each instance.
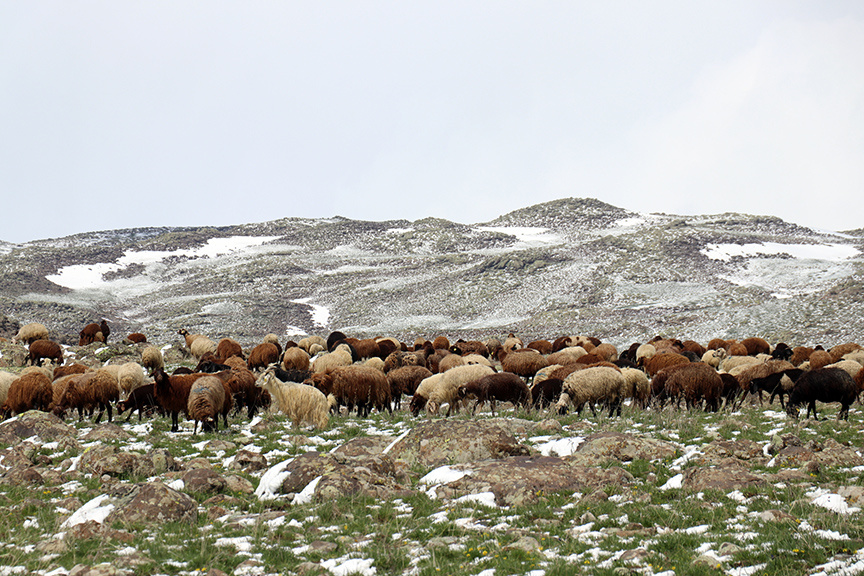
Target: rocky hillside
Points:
(568, 266)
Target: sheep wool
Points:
(151, 358)
(598, 384)
(206, 399)
(29, 333)
(301, 403)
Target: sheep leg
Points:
(812, 406)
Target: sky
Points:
(151, 113)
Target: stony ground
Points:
(653, 492)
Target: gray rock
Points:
(450, 441)
(204, 481)
(35, 423)
(107, 432)
(154, 503)
(248, 461)
(729, 477)
(110, 460)
(606, 446)
(234, 483)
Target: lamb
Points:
(198, 344)
(777, 383)
(307, 343)
(714, 357)
(151, 358)
(362, 387)
(90, 333)
(503, 387)
(227, 348)
(30, 391)
(524, 363)
(206, 402)
(824, 385)
(172, 393)
(599, 384)
(301, 403)
(30, 333)
(262, 356)
(142, 399)
(295, 358)
(45, 349)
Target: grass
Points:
(559, 534)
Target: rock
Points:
(707, 561)
(203, 481)
(728, 549)
(441, 541)
(154, 502)
(92, 529)
(322, 547)
(623, 448)
(52, 546)
(234, 483)
(523, 480)
(219, 446)
(725, 478)
(450, 441)
(310, 568)
(636, 555)
(106, 432)
(719, 450)
(852, 493)
(776, 516)
(525, 543)
(98, 570)
(196, 463)
(364, 445)
(248, 461)
(35, 423)
(828, 453)
(587, 517)
(22, 476)
(550, 425)
(110, 460)
(342, 475)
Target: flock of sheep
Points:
(313, 378)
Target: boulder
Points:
(35, 423)
(450, 441)
(154, 502)
(725, 478)
(605, 446)
(100, 460)
(107, 432)
(204, 481)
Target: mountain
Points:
(569, 266)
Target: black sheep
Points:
(824, 385)
(777, 384)
(142, 399)
(546, 392)
(503, 387)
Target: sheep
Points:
(172, 393)
(777, 384)
(405, 380)
(469, 359)
(399, 359)
(694, 347)
(441, 343)
(737, 364)
(295, 358)
(851, 367)
(262, 356)
(333, 339)
(339, 357)
(273, 339)
(137, 338)
(45, 349)
(6, 379)
(658, 362)
(227, 348)
(824, 385)
(105, 329)
(566, 355)
(29, 333)
(142, 399)
(756, 346)
(188, 337)
(606, 351)
(511, 344)
(560, 343)
(89, 334)
(301, 403)
(61, 371)
(449, 362)
(696, 382)
(542, 346)
(205, 403)
(201, 346)
(31, 391)
(638, 386)
(592, 385)
(474, 347)
(524, 363)
(504, 387)
(375, 362)
(366, 348)
(800, 354)
(362, 387)
(493, 345)
(820, 359)
(716, 344)
(446, 392)
(856, 355)
(89, 391)
(129, 377)
(839, 351)
(644, 352)
(545, 373)
(151, 358)
(242, 389)
(545, 392)
(586, 342)
(714, 357)
(307, 343)
(760, 370)
(782, 352)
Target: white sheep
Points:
(29, 333)
(6, 378)
(447, 390)
(129, 377)
(151, 358)
(714, 357)
(851, 367)
(637, 387)
(644, 352)
(301, 403)
(597, 384)
(339, 357)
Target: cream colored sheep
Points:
(598, 384)
(301, 403)
(151, 358)
(129, 377)
(339, 357)
(29, 333)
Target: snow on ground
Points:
(320, 314)
(525, 235)
(829, 252)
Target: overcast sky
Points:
(128, 114)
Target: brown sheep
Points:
(61, 371)
(88, 334)
(89, 391)
(295, 358)
(31, 391)
(660, 361)
(137, 338)
(542, 346)
(262, 356)
(837, 352)
(503, 387)
(820, 359)
(449, 362)
(206, 402)
(696, 382)
(227, 348)
(172, 393)
(41, 349)
(606, 352)
(470, 347)
(756, 346)
(151, 358)
(441, 343)
(361, 387)
(366, 348)
(524, 362)
(737, 349)
(405, 380)
(560, 343)
(800, 354)
(694, 347)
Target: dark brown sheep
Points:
(32, 391)
(823, 385)
(756, 346)
(89, 391)
(546, 392)
(404, 380)
(137, 338)
(172, 393)
(206, 401)
(41, 349)
(361, 387)
(61, 371)
(88, 334)
(226, 348)
(502, 387)
(696, 382)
